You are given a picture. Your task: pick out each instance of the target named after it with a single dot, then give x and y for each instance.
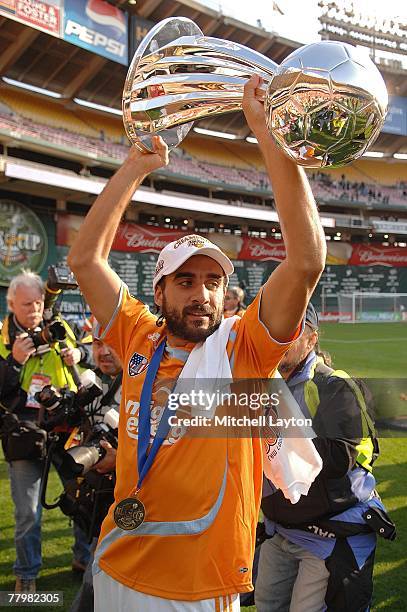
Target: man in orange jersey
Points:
(181, 533)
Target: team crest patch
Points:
(272, 438)
(137, 364)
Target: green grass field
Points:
(367, 349)
(376, 350)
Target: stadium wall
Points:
(33, 235)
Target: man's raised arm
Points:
(88, 255)
(290, 286)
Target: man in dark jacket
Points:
(319, 553)
(28, 362)
(108, 368)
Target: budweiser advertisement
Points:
(368, 255)
(132, 237)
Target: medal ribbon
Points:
(144, 460)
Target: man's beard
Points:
(285, 366)
(291, 364)
(192, 331)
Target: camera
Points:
(60, 278)
(63, 405)
(78, 460)
(53, 332)
(87, 494)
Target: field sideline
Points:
(376, 350)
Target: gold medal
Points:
(129, 513)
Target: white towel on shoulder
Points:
(209, 359)
(295, 465)
(207, 368)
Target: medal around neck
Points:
(129, 513)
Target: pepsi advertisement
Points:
(396, 120)
(97, 26)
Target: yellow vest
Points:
(368, 444)
(50, 363)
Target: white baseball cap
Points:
(176, 253)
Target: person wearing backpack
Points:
(319, 553)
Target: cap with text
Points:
(174, 254)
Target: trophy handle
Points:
(178, 75)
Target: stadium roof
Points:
(33, 57)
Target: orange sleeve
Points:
(254, 344)
(129, 318)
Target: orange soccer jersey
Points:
(202, 495)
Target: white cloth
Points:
(291, 463)
(209, 359)
(112, 595)
(207, 368)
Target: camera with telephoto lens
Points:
(51, 333)
(78, 460)
(66, 406)
(60, 278)
(87, 494)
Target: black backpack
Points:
(87, 499)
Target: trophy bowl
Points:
(143, 114)
(326, 104)
(178, 76)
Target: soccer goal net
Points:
(372, 307)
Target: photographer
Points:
(319, 553)
(31, 358)
(108, 368)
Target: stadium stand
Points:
(51, 114)
(107, 128)
(99, 137)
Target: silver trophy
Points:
(325, 104)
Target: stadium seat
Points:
(46, 112)
(235, 165)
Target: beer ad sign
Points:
(44, 15)
(23, 241)
(135, 238)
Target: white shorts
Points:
(112, 595)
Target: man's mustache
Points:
(202, 310)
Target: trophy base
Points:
(136, 113)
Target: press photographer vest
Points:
(316, 388)
(368, 448)
(50, 363)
